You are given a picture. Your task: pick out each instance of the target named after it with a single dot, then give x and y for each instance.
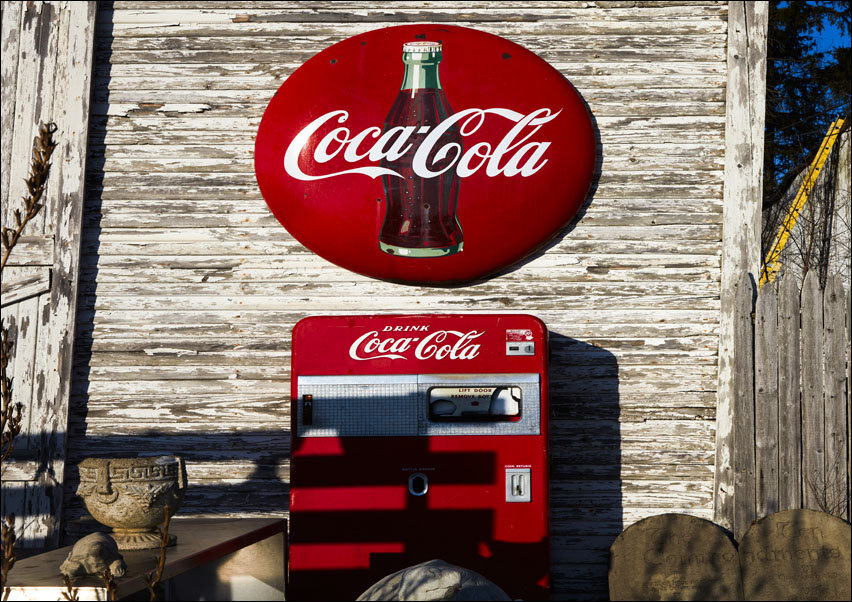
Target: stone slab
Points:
(797, 555)
(674, 557)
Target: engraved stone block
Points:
(797, 555)
(674, 557)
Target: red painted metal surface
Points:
(353, 519)
(425, 153)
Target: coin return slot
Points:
(418, 484)
(518, 485)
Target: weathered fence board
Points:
(834, 384)
(813, 410)
(801, 438)
(789, 391)
(743, 406)
(766, 400)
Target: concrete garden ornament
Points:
(91, 555)
(131, 495)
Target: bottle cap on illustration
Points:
(421, 46)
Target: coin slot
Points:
(418, 484)
(307, 409)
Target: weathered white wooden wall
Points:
(46, 74)
(189, 286)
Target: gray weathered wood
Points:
(31, 286)
(741, 223)
(789, 395)
(743, 448)
(848, 404)
(32, 250)
(53, 57)
(11, 27)
(766, 400)
(834, 384)
(813, 410)
(65, 209)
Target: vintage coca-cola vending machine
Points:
(417, 437)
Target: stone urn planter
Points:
(131, 494)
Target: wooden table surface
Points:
(199, 541)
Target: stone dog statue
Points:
(91, 555)
(434, 580)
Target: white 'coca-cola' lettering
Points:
(524, 158)
(441, 344)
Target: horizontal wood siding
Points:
(189, 287)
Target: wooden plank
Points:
(18, 470)
(813, 410)
(743, 448)
(32, 250)
(834, 385)
(789, 395)
(766, 400)
(338, 29)
(848, 404)
(745, 92)
(63, 211)
(15, 291)
(357, 12)
(11, 31)
(37, 55)
(688, 7)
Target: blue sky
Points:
(830, 38)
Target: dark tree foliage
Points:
(805, 89)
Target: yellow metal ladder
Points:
(772, 263)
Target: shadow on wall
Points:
(586, 503)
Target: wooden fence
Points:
(792, 402)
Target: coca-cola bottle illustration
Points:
(420, 212)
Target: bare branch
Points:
(43, 147)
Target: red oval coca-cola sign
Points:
(425, 153)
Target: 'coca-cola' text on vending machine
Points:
(418, 437)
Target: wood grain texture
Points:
(743, 449)
(766, 351)
(10, 40)
(189, 288)
(51, 83)
(834, 388)
(813, 409)
(744, 120)
(789, 395)
(15, 290)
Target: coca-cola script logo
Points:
(524, 158)
(425, 153)
(441, 344)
